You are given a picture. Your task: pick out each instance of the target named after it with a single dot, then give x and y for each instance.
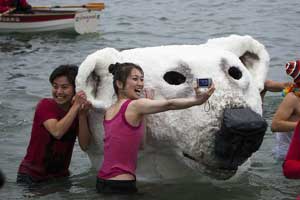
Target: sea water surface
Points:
(26, 61)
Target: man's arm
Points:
(84, 133)
(58, 128)
(274, 86)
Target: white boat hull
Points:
(37, 26)
(78, 21)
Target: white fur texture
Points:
(191, 130)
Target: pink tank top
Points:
(121, 145)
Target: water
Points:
(26, 61)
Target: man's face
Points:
(62, 90)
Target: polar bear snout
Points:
(241, 134)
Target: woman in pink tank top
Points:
(124, 128)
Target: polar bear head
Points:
(214, 138)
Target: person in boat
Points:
(117, 173)
(15, 6)
(56, 124)
(287, 114)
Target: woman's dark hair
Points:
(69, 71)
(121, 71)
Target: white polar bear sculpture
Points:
(214, 138)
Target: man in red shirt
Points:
(56, 124)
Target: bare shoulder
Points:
(291, 98)
(111, 111)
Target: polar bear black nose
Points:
(241, 134)
(174, 78)
(235, 72)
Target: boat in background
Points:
(83, 19)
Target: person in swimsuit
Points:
(287, 114)
(124, 127)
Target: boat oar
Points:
(91, 6)
(8, 11)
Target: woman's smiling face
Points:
(134, 84)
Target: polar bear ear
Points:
(251, 53)
(93, 74)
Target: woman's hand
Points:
(204, 95)
(149, 93)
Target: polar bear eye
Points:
(174, 78)
(235, 72)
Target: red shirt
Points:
(46, 156)
(7, 4)
(121, 145)
(291, 165)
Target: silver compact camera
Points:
(204, 82)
